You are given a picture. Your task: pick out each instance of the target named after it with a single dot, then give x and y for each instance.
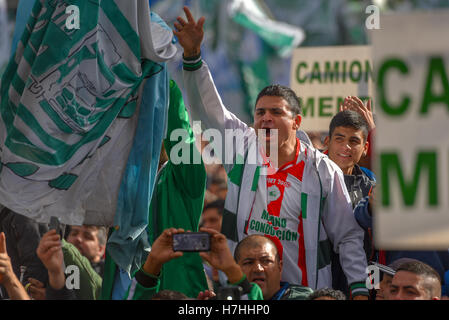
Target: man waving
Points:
(292, 194)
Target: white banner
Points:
(323, 76)
(411, 59)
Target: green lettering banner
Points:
(323, 76)
(412, 136)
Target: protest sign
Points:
(411, 60)
(323, 76)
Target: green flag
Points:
(281, 36)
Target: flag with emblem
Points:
(69, 107)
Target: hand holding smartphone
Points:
(191, 242)
(55, 225)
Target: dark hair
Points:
(254, 241)
(327, 292)
(277, 90)
(217, 204)
(169, 295)
(398, 262)
(349, 119)
(425, 271)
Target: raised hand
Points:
(36, 289)
(162, 251)
(220, 256)
(206, 295)
(50, 253)
(190, 33)
(6, 271)
(356, 104)
(7, 276)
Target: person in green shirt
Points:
(59, 257)
(177, 202)
(179, 197)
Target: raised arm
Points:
(50, 253)
(190, 34)
(161, 252)
(204, 102)
(7, 277)
(189, 170)
(146, 281)
(356, 104)
(220, 257)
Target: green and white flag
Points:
(69, 106)
(282, 36)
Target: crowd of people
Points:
(297, 229)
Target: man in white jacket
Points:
(295, 195)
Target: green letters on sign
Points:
(391, 168)
(436, 73)
(384, 69)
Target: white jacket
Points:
(330, 219)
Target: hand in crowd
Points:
(36, 289)
(6, 271)
(7, 276)
(50, 253)
(190, 34)
(206, 295)
(162, 252)
(356, 104)
(220, 256)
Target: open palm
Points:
(190, 33)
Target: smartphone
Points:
(55, 225)
(191, 241)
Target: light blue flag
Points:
(24, 9)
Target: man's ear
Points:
(102, 249)
(365, 148)
(298, 120)
(326, 142)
